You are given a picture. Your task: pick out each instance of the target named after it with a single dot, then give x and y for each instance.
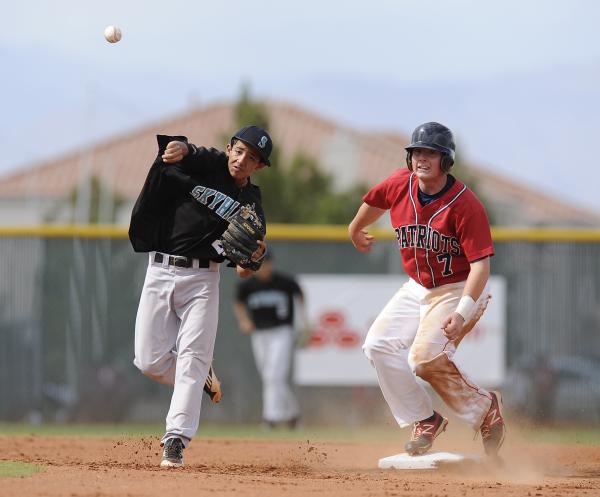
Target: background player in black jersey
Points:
(183, 209)
(266, 306)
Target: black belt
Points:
(180, 260)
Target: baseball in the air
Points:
(112, 34)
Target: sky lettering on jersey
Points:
(223, 205)
(425, 237)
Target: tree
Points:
(298, 192)
(248, 111)
(302, 193)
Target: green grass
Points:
(16, 469)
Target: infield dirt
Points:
(111, 467)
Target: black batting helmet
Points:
(434, 136)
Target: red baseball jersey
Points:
(437, 241)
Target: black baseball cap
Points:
(257, 138)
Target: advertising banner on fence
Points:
(342, 307)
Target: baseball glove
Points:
(240, 240)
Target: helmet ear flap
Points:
(447, 162)
(409, 160)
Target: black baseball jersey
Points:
(183, 208)
(269, 303)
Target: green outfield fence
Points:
(69, 294)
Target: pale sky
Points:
(517, 81)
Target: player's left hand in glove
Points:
(212, 386)
(240, 241)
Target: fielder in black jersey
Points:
(183, 209)
(265, 309)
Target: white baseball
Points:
(112, 34)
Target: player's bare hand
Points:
(452, 326)
(243, 272)
(362, 241)
(247, 326)
(174, 152)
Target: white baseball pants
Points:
(273, 349)
(175, 332)
(406, 341)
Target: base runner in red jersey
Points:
(445, 244)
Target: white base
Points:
(426, 461)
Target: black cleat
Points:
(172, 453)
